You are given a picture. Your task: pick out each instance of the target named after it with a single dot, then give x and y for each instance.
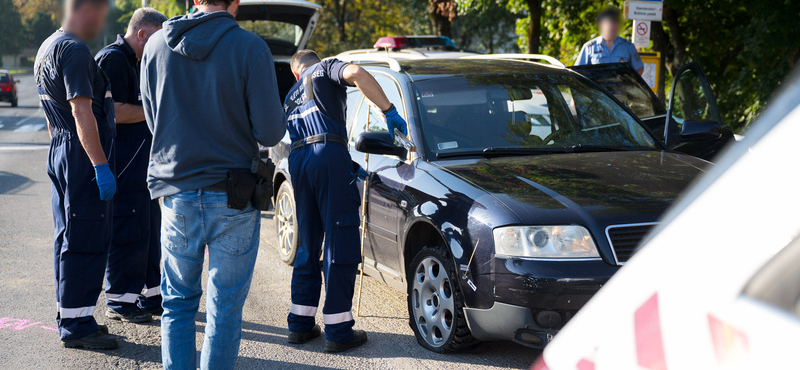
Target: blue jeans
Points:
(191, 221)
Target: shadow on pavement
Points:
(11, 183)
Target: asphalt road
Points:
(27, 298)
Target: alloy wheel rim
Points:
(285, 216)
(432, 301)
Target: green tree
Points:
(10, 28)
(357, 24)
(529, 28)
(490, 29)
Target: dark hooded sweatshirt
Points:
(209, 93)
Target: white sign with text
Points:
(644, 10)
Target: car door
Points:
(691, 99)
(384, 198)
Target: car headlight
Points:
(544, 242)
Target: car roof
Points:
(421, 69)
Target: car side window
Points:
(360, 121)
(353, 96)
(392, 92)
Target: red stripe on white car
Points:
(649, 342)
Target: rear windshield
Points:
(626, 85)
(3, 77)
(281, 37)
(473, 113)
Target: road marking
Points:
(25, 120)
(30, 127)
(25, 147)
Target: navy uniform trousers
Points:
(327, 202)
(82, 220)
(133, 277)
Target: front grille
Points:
(625, 238)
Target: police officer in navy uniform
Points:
(324, 178)
(74, 94)
(133, 276)
(609, 47)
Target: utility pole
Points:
(144, 3)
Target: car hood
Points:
(602, 187)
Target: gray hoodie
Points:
(209, 93)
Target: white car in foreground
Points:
(717, 284)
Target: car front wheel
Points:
(286, 221)
(435, 303)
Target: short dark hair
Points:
(610, 13)
(75, 4)
(304, 58)
(226, 3)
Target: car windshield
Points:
(624, 83)
(523, 112)
(283, 36)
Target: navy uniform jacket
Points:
(330, 92)
(622, 51)
(122, 69)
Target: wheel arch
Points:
(277, 181)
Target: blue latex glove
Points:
(393, 120)
(362, 175)
(105, 181)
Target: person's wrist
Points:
(391, 107)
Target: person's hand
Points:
(394, 121)
(105, 181)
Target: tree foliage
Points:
(357, 24)
(10, 28)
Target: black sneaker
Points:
(153, 311)
(359, 338)
(137, 316)
(103, 328)
(300, 338)
(96, 340)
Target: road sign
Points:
(644, 10)
(641, 33)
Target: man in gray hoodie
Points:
(210, 95)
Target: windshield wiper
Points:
(599, 148)
(497, 152)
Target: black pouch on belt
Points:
(263, 189)
(240, 186)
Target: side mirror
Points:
(378, 143)
(700, 131)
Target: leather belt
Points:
(220, 186)
(321, 138)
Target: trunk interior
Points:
(285, 79)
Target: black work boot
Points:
(136, 316)
(359, 338)
(153, 311)
(96, 340)
(300, 338)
